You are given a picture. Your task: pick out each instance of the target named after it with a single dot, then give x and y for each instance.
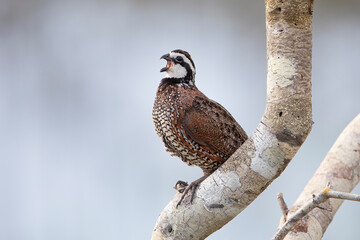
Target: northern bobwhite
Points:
(193, 127)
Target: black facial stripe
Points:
(186, 55)
(172, 81)
(189, 73)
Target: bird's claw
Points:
(185, 190)
(180, 186)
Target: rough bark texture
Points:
(340, 168)
(286, 123)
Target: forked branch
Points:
(310, 205)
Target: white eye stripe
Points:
(175, 54)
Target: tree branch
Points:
(283, 205)
(309, 206)
(343, 195)
(284, 127)
(340, 169)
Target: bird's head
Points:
(179, 66)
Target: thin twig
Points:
(282, 204)
(343, 195)
(310, 205)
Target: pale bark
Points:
(340, 169)
(309, 206)
(285, 125)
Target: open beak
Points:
(168, 64)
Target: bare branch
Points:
(310, 205)
(340, 170)
(343, 195)
(305, 209)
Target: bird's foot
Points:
(184, 188)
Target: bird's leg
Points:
(184, 188)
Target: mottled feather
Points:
(212, 127)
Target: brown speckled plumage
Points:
(193, 127)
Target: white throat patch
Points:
(176, 70)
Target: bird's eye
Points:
(179, 59)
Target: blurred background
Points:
(79, 157)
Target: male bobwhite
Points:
(193, 127)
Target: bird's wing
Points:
(208, 123)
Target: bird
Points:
(198, 130)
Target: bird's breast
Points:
(169, 107)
